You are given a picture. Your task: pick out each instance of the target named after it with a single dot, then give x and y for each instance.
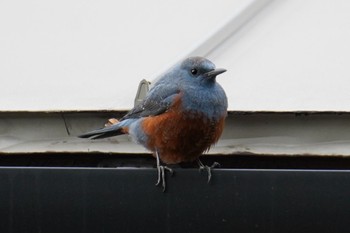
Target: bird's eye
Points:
(194, 71)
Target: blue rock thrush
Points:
(181, 116)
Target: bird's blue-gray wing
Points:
(158, 100)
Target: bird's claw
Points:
(208, 168)
(161, 172)
(215, 165)
(161, 175)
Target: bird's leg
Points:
(207, 168)
(161, 172)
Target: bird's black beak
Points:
(214, 73)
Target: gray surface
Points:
(126, 200)
(322, 134)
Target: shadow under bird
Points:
(181, 116)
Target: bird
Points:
(181, 117)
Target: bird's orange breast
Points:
(181, 136)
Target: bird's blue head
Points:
(195, 79)
(199, 70)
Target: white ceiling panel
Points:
(91, 55)
(294, 55)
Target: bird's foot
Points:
(161, 175)
(161, 172)
(207, 168)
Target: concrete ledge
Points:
(253, 133)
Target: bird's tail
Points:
(110, 131)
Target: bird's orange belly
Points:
(180, 136)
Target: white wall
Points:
(90, 55)
(295, 55)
